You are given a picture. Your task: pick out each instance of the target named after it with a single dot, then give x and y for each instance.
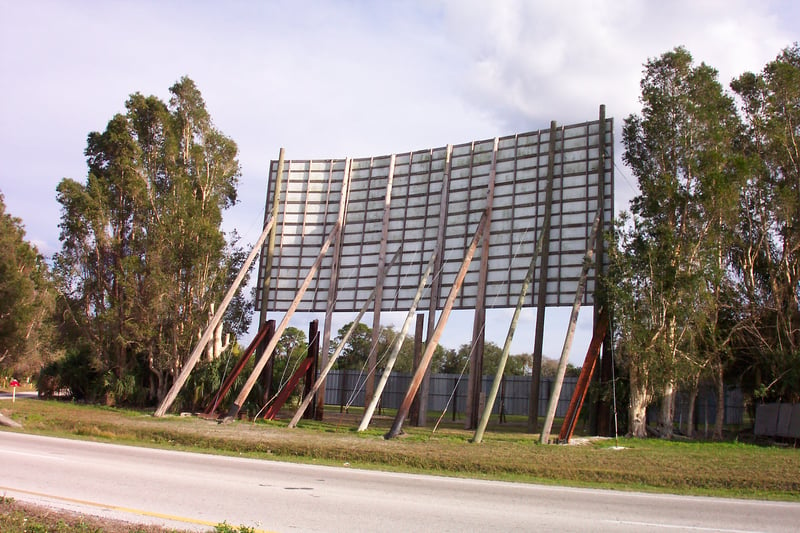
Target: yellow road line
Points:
(141, 512)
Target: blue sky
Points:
(347, 78)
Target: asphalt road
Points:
(195, 491)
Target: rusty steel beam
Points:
(402, 412)
(582, 387)
(311, 373)
(264, 334)
(287, 389)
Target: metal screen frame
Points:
(415, 182)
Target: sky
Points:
(335, 79)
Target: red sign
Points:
(14, 383)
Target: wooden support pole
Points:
(262, 361)
(333, 286)
(398, 343)
(498, 377)
(369, 387)
(268, 262)
(479, 324)
(332, 360)
(541, 303)
(573, 320)
(188, 366)
(436, 285)
(276, 202)
(402, 412)
(603, 408)
(582, 387)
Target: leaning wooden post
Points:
(188, 366)
(332, 360)
(573, 320)
(398, 343)
(333, 286)
(498, 377)
(402, 412)
(369, 387)
(262, 361)
(436, 283)
(262, 317)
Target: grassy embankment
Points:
(728, 469)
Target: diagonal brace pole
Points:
(188, 366)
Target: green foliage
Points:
(143, 257)
(26, 301)
(705, 276)
(291, 350)
(766, 253)
(669, 286)
(457, 361)
(78, 376)
(356, 350)
(225, 528)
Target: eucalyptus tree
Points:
(683, 151)
(767, 252)
(143, 256)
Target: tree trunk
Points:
(638, 405)
(690, 422)
(666, 414)
(719, 420)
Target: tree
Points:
(291, 350)
(26, 301)
(355, 353)
(767, 251)
(143, 256)
(457, 361)
(671, 261)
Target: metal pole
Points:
(398, 343)
(402, 412)
(177, 385)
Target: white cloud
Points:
(334, 79)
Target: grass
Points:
(728, 469)
(18, 517)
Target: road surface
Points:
(196, 491)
